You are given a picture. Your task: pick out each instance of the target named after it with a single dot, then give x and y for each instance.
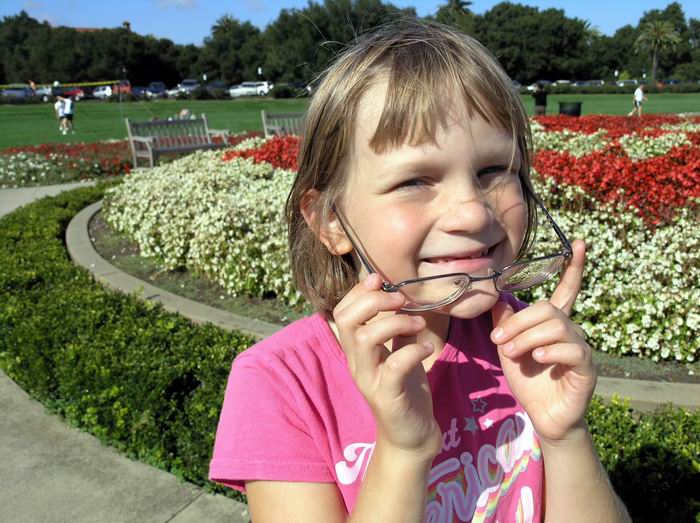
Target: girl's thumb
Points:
(500, 312)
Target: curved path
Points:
(643, 395)
(52, 472)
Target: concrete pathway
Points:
(52, 472)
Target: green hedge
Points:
(147, 381)
(151, 383)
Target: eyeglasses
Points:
(431, 292)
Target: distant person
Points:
(540, 96)
(58, 108)
(637, 99)
(68, 115)
(32, 86)
(68, 110)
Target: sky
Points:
(189, 21)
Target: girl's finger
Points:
(556, 330)
(400, 363)
(512, 324)
(371, 283)
(370, 349)
(365, 307)
(574, 355)
(564, 296)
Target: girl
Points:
(421, 389)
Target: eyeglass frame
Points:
(567, 253)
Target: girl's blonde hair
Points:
(421, 62)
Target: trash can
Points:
(570, 108)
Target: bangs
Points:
(426, 80)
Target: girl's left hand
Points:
(545, 358)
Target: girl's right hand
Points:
(394, 382)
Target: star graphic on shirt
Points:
(488, 422)
(470, 425)
(478, 405)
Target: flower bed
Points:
(57, 163)
(151, 383)
(640, 295)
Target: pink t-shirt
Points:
(292, 412)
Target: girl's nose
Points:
(469, 215)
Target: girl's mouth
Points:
(462, 262)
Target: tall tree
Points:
(655, 36)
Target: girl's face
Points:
(437, 208)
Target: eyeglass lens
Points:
(430, 294)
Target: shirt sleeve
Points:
(261, 433)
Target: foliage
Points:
(144, 380)
(57, 163)
(151, 384)
(532, 44)
(656, 36)
(653, 459)
(639, 295)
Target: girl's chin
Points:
(472, 303)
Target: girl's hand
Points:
(394, 382)
(545, 358)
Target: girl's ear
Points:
(328, 228)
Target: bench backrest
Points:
(282, 124)
(171, 134)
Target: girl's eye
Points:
(415, 183)
(494, 173)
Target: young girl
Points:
(421, 389)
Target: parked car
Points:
(76, 93)
(172, 93)
(44, 92)
(216, 85)
(517, 84)
(250, 89)
(623, 83)
(187, 86)
(562, 82)
(18, 92)
(103, 91)
(123, 86)
(545, 83)
(139, 92)
(156, 90)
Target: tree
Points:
(655, 36)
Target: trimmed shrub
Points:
(147, 381)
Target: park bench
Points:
(282, 124)
(151, 139)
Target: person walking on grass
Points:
(421, 389)
(68, 110)
(540, 96)
(637, 99)
(58, 108)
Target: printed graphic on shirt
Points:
(357, 456)
(468, 487)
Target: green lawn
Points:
(96, 120)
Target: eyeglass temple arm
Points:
(363, 259)
(568, 250)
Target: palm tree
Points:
(458, 7)
(655, 36)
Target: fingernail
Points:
(508, 347)
(538, 353)
(428, 346)
(418, 320)
(497, 334)
(370, 281)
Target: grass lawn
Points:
(96, 120)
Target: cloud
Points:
(30, 5)
(177, 4)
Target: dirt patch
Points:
(124, 254)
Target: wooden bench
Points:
(151, 139)
(282, 124)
